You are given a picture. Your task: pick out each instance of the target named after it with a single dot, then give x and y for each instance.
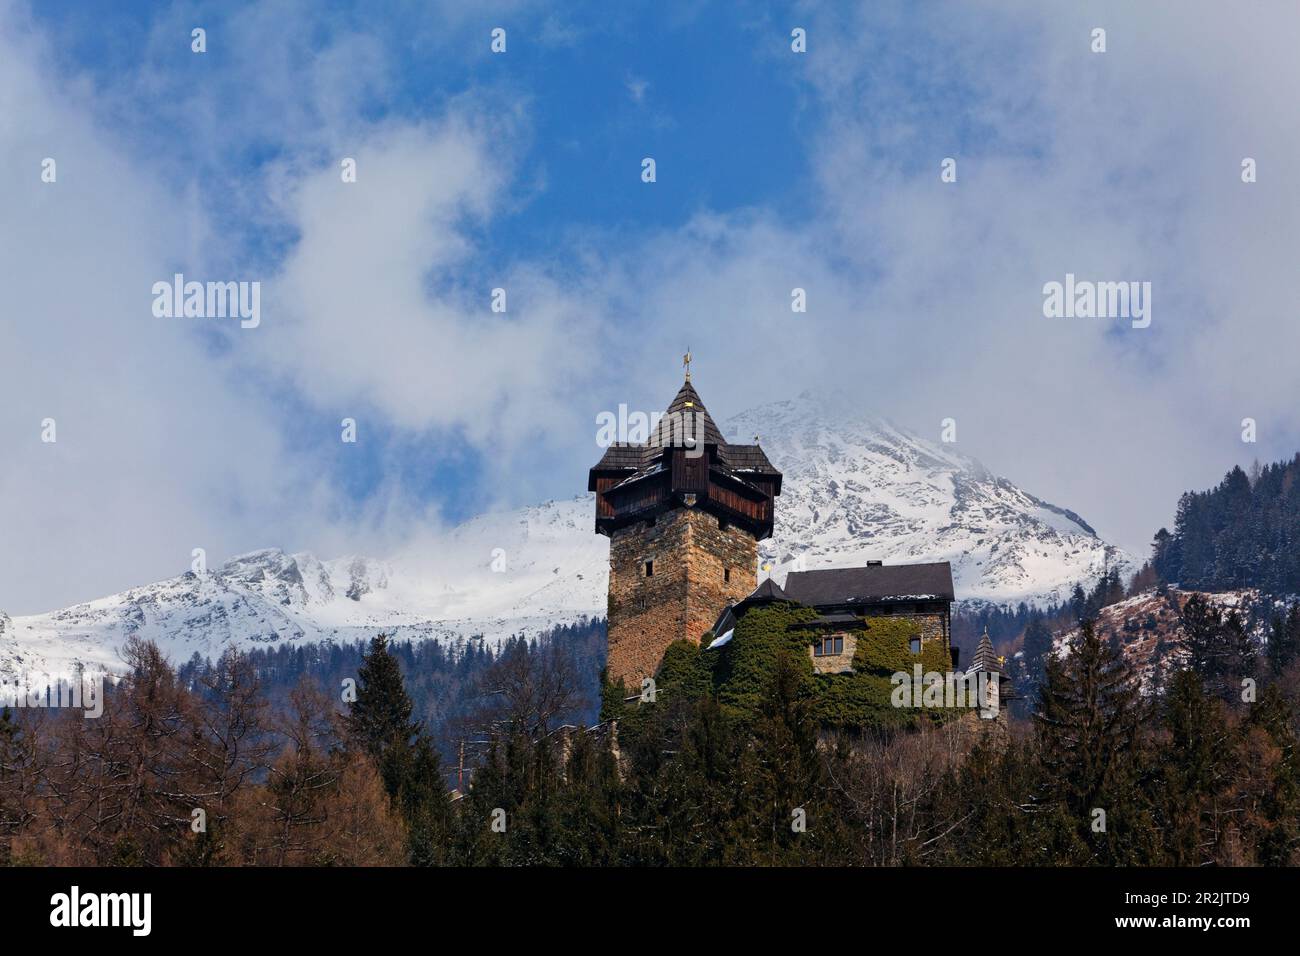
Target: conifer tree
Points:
(422, 800)
(1089, 716)
(1284, 638)
(380, 717)
(379, 723)
(1218, 647)
(1078, 602)
(1238, 654)
(1037, 648)
(1197, 763)
(591, 822)
(680, 799)
(782, 776)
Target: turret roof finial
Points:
(686, 363)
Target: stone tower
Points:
(684, 513)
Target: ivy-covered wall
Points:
(738, 672)
(863, 697)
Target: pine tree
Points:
(1284, 638)
(679, 802)
(422, 800)
(1166, 556)
(590, 813)
(379, 723)
(1270, 786)
(1196, 765)
(1037, 648)
(1079, 602)
(1202, 624)
(782, 775)
(380, 717)
(1243, 532)
(1090, 712)
(1219, 649)
(1239, 653)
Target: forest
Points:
(1244, 532)
(427, 753)
(211, 773)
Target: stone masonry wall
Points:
(835, 663)
(683, 596)
(714, 551)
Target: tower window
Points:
(915, 644)
(726, 575)
(649, 569)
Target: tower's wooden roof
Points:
(685, 461)
(687, 407)
(685, 418)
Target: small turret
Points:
(988, 670)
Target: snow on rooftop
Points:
(724, 639)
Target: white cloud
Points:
(637, 87)
(156, 453)
(923, 299)
(169, 433)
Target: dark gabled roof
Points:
(766, 593)
(872, 584)
(769, 590)
(726, 620)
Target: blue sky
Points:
(775, 170)
(705, 91)
(708, 91)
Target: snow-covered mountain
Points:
(859, 488)
(520, 572)
(855, 489)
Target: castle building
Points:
(846, 597)
(684, 513)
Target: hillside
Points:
(1148, 626)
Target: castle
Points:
(684, 513)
